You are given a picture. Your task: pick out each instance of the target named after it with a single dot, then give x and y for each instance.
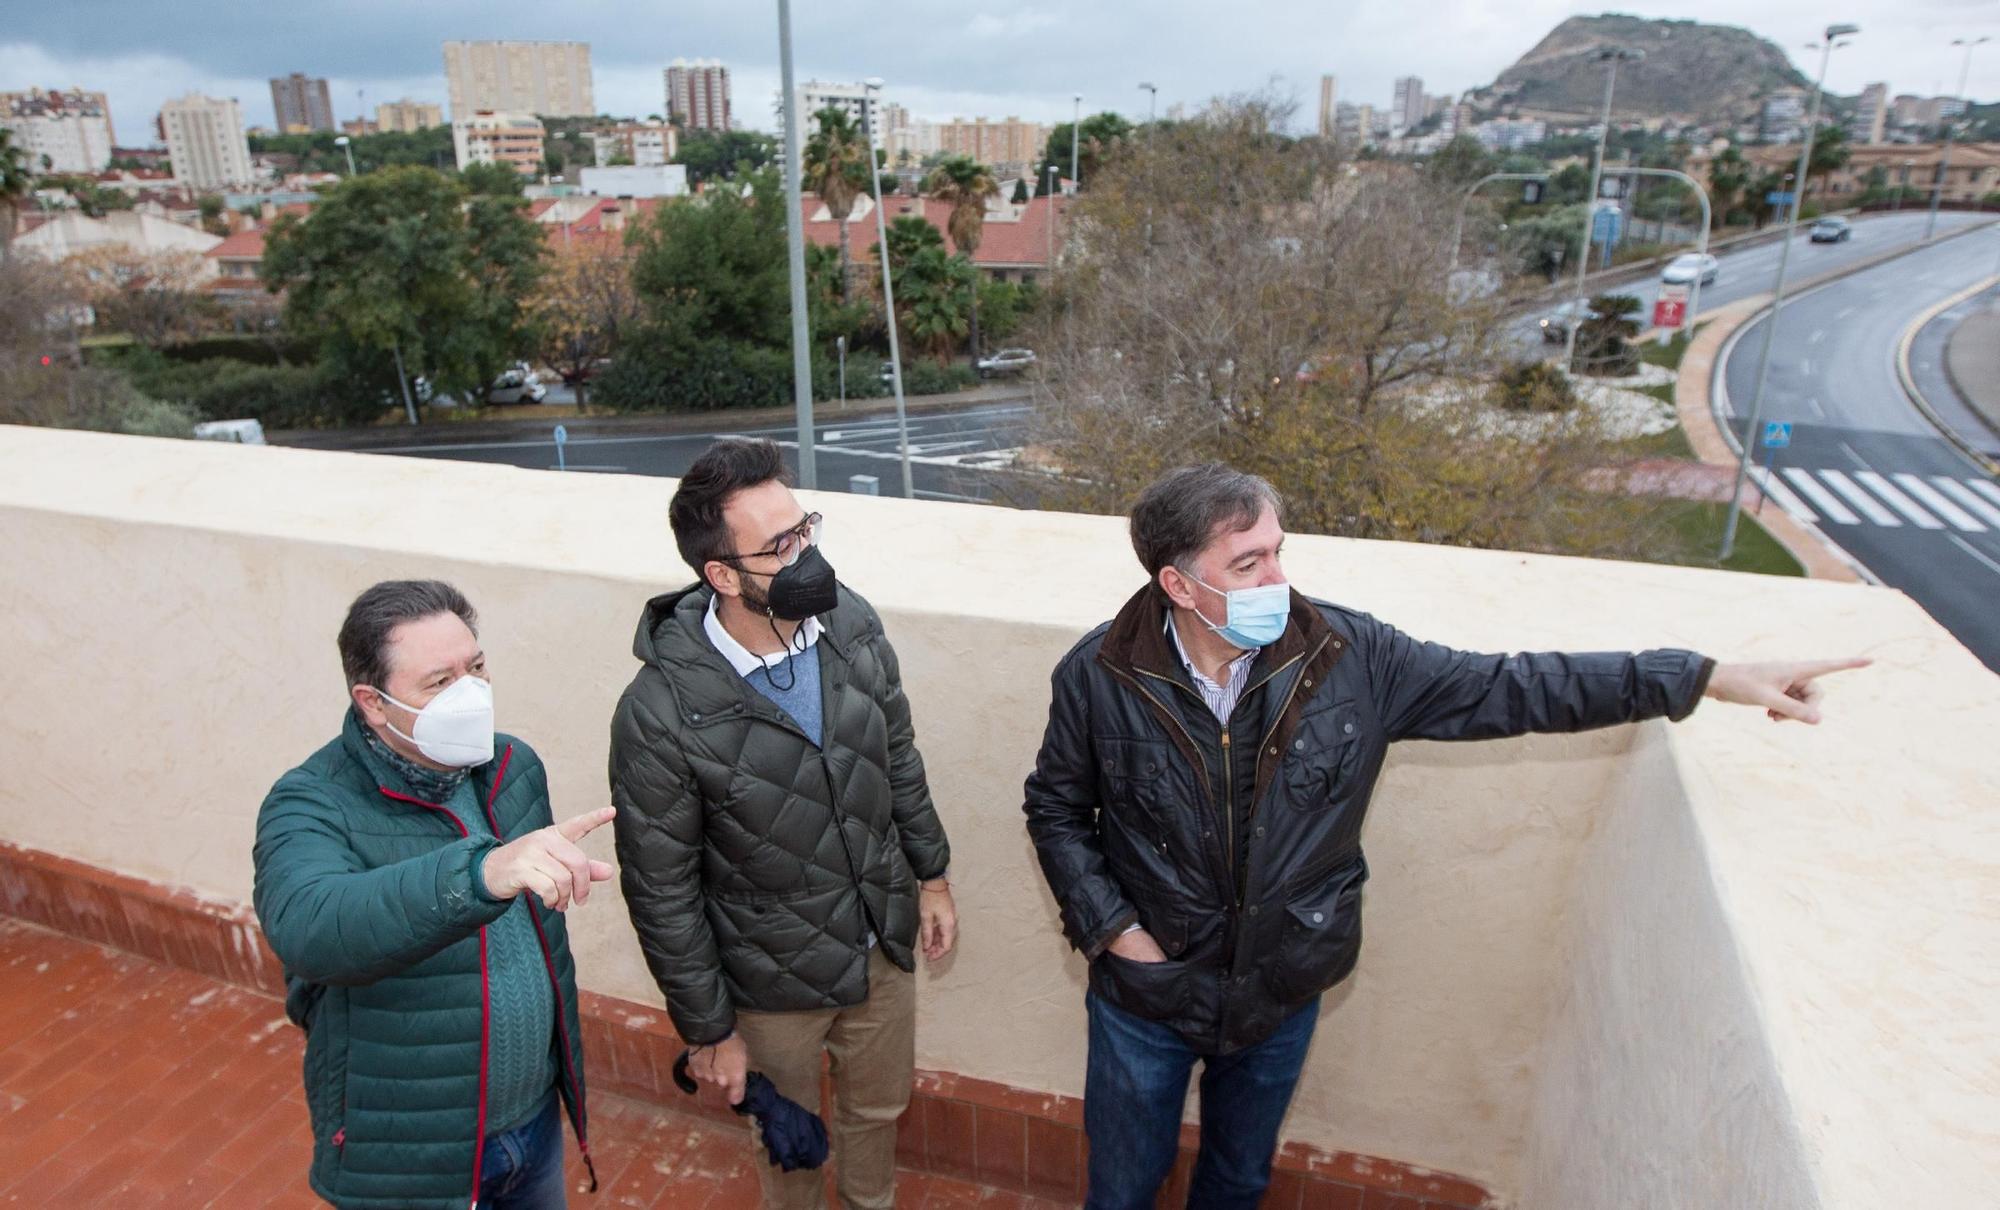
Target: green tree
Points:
(492, 180)
(403, 272)
(1020, 195)
(934, 297)
(1461, 161)
(1545, 242)
(1603, 340)
(966, 186)
(1101, 132)
(715, 266)
(835, 166)
(910, 234)
(16, 187)
(1728, 174)
(1830, 153)
(718, 155)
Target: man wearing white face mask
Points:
(1197, 808)
(412, 880)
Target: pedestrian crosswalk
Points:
(1892, 501)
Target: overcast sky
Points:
(940, 58)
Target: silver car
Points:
(1690, 267)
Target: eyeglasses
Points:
(790, 544)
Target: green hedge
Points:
(219, 388)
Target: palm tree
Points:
(966, 186)
(16, 187)
(835, 166)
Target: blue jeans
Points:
(1136, 1086)
(522, 1169)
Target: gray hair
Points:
(1181, 511)
(375, 614)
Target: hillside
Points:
(1711, 74)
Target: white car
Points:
(518, 385)
(1007, 361)
(242, 432)
(1686, 268)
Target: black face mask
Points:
(804, 590)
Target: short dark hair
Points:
(1179, 512)
(725, 468)
(375, 614)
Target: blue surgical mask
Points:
(1257, 616)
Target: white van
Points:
(242, 432)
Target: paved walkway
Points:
(1972, 359)
(131, 1084)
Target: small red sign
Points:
(1669, 312)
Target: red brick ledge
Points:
(957, 1126)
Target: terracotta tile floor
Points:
(124, 1082)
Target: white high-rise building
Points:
(59, 131)
(1871, 116)
(1408, 106)
(551, 79)
(1329, 106)
(205, 142)
(698, 94)
(815, 95)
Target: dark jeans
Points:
(1136, 1086)
(522, 1168)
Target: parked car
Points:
(518, 385)
(1555, 325)
(1006, 361)
(1688, 267)
(1831, 231)
(242, 432)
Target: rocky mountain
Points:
(1709, 74)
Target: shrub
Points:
(1533, 386)
(924, 377)
(659, 375)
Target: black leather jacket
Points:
(1239, 848)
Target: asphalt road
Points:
(1864, 465)
(953, 456)
(1749, 271)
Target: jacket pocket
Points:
(1322, 936)
(1322, 755)
(1157, 991)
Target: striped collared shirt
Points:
(1221, 699)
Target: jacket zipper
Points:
(485, 973)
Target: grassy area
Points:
(1669, 354)
(1698, 526)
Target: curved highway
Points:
(1864, 465)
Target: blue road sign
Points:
(1607, 223)
(562, 434)
(562, 438)
(1778, 198)
(1777, 435)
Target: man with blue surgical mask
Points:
(1197, 807)
(410, 877)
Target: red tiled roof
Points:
(244, 245)
(1022, 242)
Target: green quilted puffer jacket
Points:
(366, 894)
(754, 863)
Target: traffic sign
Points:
(1779, 198)
(1607, 223)
(1611, 187)
(1670, 307)
(562, 434)
(562, 438)
(1531, 193)
(1777, 435)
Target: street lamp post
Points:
(346, 144)
(1944, 160)
(1613, 56)
(795, 240)
(1049, 196)
(1075, 142)
(873, 85)
(1152, 102)
(1909, 166)
(1798, 200)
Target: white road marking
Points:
(1958, 492)
(1860, 499)
(1985, 489)
(1938, 504)
(1818, 335)
(1969, 549)
(1849, 451)
(1812, 401)
(1776, 490)
(1897, 500)
(1846, 311)
(1824, 499)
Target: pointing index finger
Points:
(576, 827)
(1818, 668)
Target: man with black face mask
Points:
(782, 862)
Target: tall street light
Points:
(873, 85)
(795, 241)
(1944, 160)
(1798, 191)
(1612, 55)
(1075, 141)
(1053, 179)
(1152, 102)
(346, 144)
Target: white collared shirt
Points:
(742, 658)
(1221, 699)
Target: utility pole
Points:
(1798, 200)
(795, 240)
(874, 87)
(1614, 56)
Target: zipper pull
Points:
(340, 1137)
(1225, 738)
